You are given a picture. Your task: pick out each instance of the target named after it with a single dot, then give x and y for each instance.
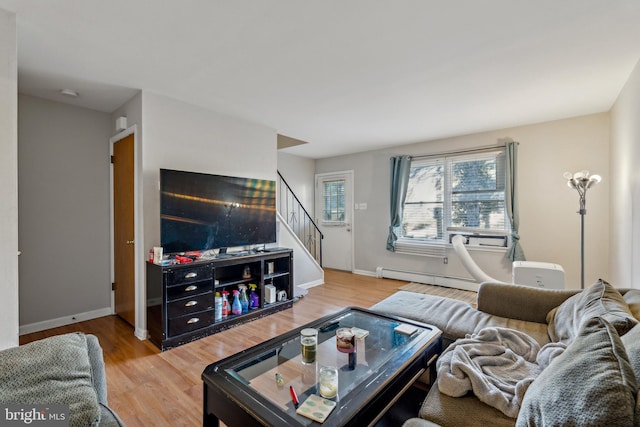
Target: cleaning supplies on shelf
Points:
(254, 299)
(236, 307)
(226, 308)
(244, 301)
(217, 309)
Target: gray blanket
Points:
(496, 364)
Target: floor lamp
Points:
(581, 181)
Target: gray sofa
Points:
(594, 382)
(63, 369)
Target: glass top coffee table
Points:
(244, 390)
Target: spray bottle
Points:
(226, 308)
(236, 307)
(254, 299)
(244, 302)
(218, 307)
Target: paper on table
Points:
(316, 408)
(405, 329)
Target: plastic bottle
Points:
(226, 308)
(254, 299)
(244, 301)
(218, 307)
(236, 307)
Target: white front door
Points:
(334, 216)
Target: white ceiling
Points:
(346, 76)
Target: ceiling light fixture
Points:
(69, 92)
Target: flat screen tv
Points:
(202, 211)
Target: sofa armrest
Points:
(520, 302)
(98, 373)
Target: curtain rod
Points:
(468, 150)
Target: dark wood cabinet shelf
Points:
(181, 298)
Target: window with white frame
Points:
(456, 190)
(333, 198)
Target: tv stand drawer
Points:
(189, 290)
(190, 305)
(189, 274)
(190, 322)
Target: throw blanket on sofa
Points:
(497, 364)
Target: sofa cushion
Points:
(591, 383)
(418, 422)
(52, 370)
(454, 318)
(465, 411)
(631, 341)
(600, 299)
(632, 298)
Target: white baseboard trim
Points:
(312, 284)
(66, 320)
(430, 279)
(141, 334)
(364, 273)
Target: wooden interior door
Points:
(123, 229)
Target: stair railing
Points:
(299, 219)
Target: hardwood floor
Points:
(147, 387)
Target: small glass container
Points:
(308, 344)
(345, 340)
(328, 382)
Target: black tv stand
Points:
(180, 298)
(276, 249)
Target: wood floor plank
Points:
(147, 387)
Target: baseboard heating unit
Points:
(427, 278)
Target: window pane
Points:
(478, 213)
(475, 201)
(465, 190)
(423, 209)
(474, 175)
(425, 183)
(423, 221)
(333, 200)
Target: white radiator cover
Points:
(429, 279)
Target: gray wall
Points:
(9, 179)
(64, 228)
(550, 227)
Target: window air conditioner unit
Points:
(473, 237)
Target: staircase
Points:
(299, 220)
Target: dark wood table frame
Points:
(229, 400)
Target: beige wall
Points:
(177, 135)
(299, 172)
(549, 224)
(9, 179)
(625, 184)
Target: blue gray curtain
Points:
(515, 252)
(400, 167)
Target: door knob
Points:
(130, 242)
